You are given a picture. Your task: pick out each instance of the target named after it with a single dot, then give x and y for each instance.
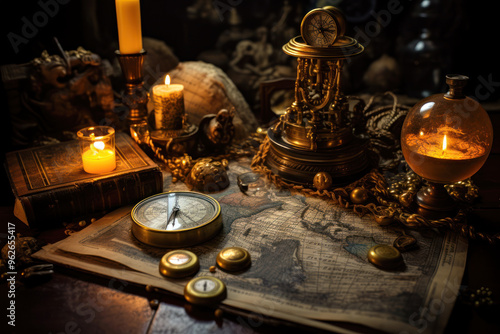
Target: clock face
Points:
(319, 28)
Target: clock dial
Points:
(319, 28)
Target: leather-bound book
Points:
(51, 187)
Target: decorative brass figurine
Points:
(316, 132)
(217, 131)
(58, 95)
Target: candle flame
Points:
(444, 143)
(167, 80)
(99, 145)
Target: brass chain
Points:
(386, 207)
(180, 166)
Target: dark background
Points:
(461, 37)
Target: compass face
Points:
(205, 290)
(319, 28)
(178, 258)
(205, 285)
(176, 211)
(176, 219)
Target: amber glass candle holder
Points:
(446, 138)
(97, 145)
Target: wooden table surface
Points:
(76, 302)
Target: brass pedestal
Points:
(299, 165)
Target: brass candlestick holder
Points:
(135, 96)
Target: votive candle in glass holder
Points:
(97, 145)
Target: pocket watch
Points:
(322, 26)
(176, 219)
(205, 290)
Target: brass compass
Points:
(176, 219)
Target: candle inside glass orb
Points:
(445, 138)
(441, 157)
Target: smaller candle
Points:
(98, 149)
(128, 16)
(98, 160)
(168, 101)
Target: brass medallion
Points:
(385, 257)
(233, 259)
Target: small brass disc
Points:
(205, 290)
(233, 259)
(385, 256)
(179, 263)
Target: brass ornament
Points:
(316, 133)
(217, 130)
(233, 259)
(208, 175)
(322, 181)
(359, 195)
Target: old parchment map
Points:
(309, 261)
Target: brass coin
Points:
(385, 256)
(179, 263)
(233, 259)
(205, 290)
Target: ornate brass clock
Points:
(321, 26)
(316, 132)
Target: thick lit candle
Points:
(128, 15)
(98, 159)
(443, 158)
(168, 100)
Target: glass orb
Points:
(446, 138)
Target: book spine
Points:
(82, 200)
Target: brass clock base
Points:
(345, 164)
